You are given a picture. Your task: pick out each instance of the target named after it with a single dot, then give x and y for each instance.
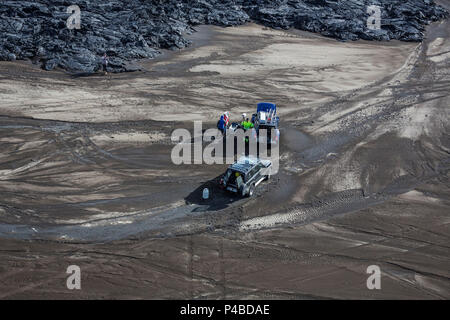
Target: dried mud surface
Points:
(86, 176)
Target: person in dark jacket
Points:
(222, 126)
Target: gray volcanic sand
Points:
(86, 176)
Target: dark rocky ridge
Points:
(135, 29)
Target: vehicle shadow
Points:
(219, 199)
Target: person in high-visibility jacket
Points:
(247, 125)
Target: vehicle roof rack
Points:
(245, 164)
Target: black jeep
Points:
(245, 175)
